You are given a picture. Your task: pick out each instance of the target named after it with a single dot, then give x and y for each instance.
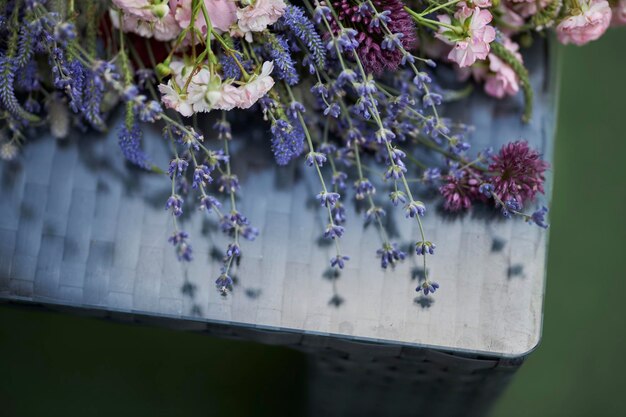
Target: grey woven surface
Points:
(82, 232)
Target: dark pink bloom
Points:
(376, 57)
(518, 172)
(460, 190)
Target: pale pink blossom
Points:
(585, 24)
(173, 98)
(619, 14)
(207, 92)
(526, 8)
(483, 4)
(477, 36)
(164, 29)
(222, 14)
(257, 87)
(148, 10)
(502, 80)
(256, 17)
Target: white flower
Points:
(258, 16)
(205, 91)
(173, 99)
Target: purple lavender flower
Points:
(201, 176)
(184, 251)
(415, 208)
(339, 261)
(177, 167)
(233, 251)
(284, 67)
(333, 231)
(302, 28)
(389, 254)
(422, 248)
(363, 188)
(175, 204)
(130, 144)
(427, 287)
(287, 140)
(315, 158)
(539, 217)
(328, 199)
(224, 283)
(208, 203)
(397, 197)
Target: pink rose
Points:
(143, 9)
(258, 16)
(164, 29)
(478, 35)
(619, 14)
(502, 81)
(258, 87)
(588, 24)
(221, 12)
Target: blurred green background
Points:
(52, 364)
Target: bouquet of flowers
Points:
(342, 86)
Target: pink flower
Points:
(619, 14)
(207, 92)
(483, 4)
(164, 29)
(502, 81)
(519, 172)
(258, 87)
(221, 12)
(174, 99)
(143, 9)
(586, 24)
(172, 95)
(474, 42)
(258, 16)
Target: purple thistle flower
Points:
(389, 254)
(519, 172)
(460, 190)
(371, 35)
(427, 287)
